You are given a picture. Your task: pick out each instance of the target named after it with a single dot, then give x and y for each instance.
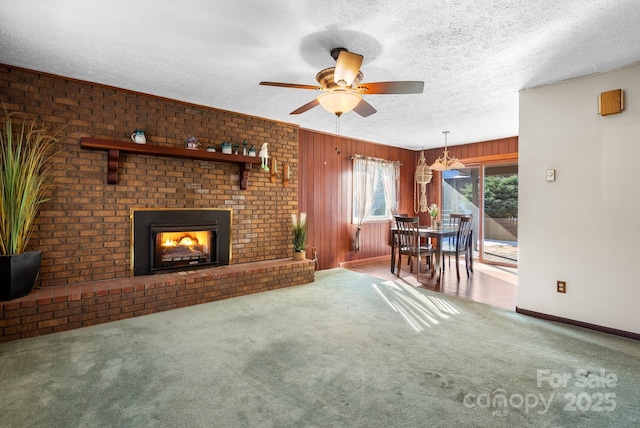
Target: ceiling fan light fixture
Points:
(342, 88)
(339, 101)
(445, 162)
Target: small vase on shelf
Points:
(226, 148)
(434, 222)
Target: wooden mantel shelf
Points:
(115, 147)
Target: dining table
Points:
(438, 234)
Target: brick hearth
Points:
(53, 309)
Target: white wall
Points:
(584, 228)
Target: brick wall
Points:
(83, 231)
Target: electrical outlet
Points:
(562, 286)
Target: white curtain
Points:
(390, 183)
(364, 186)
(365, 175)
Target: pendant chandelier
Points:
(445, 162)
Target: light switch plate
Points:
(551, 175)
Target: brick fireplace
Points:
(84, 230)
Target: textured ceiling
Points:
(473, 55)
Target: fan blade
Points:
(347, 67)
(398, 87)
(307, 106)
(291, 85)
(364, 109)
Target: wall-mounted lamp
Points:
(285, 175)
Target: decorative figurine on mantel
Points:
(252, 151)
(264, 155)
(244, 147)
(191, 142)
(226, 148)
(235, 148)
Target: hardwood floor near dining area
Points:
(488, 284)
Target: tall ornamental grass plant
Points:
(25, 179)
(299, 232)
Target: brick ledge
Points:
(58, 308)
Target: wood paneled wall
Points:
(325, 177)
(325, 193)
(478, 151)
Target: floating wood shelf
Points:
(115, 147)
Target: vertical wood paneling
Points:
(325, 191)
(331, 165)
(318, 211)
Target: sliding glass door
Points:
(461, 195)
(500, 214)
(490, 193)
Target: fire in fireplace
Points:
(183, 245)
(178, 239)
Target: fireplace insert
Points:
(179, 239)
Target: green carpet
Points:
(348, 350)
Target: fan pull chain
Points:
(337, 124)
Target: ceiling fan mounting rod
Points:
(335, 52)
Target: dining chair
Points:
(394, 244)
(460, 245)
(454, 221)
(409, 243)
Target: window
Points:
(379, 209)
(375, 189)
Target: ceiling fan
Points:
(342, 88)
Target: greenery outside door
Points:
(490, 193)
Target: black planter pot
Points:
(18, 273)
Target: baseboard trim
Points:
(609, 330)
(360, 261)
